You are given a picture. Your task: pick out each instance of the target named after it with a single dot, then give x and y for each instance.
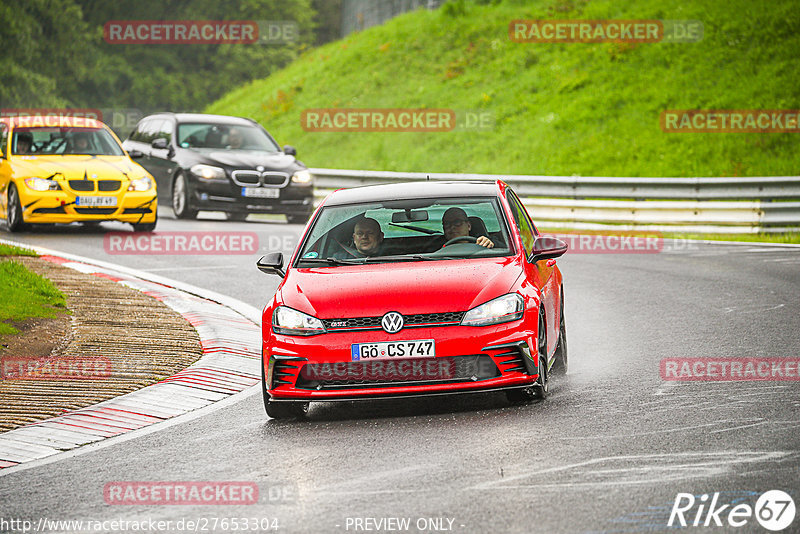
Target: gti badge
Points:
(392, 322)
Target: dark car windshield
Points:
(412, 230)
(224, 136)
(64, 141)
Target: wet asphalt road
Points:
(608, 451)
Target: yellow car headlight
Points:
(141, 184)
(42, 184)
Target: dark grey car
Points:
(221, 163)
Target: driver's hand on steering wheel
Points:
(485, 242)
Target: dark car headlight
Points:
(500, 310)
(291, 322)
(303, 177)
(208, 172)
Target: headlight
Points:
(294, 323)
(42, 184)
(302, 178)
(141, 184)
(500, 310)
(207, 172)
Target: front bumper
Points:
(60, 206)
(227, 196)
(468, 359)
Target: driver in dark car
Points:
(456, 224)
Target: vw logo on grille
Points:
(392, 322)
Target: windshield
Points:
(64, 140)
(407, 230)
(224, 136)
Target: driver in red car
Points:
(456, 224)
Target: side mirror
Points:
(272, 263)
(289, 150)
(161, 142)
(135, 154)
(547, 247)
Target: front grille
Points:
(81, 185)
(249, 177)
(411, 321)
(284, 371)
(272, 178)
(246, 177)
(108, 185)
(95, 211)
(395, 373)
(129, 211)
(514, 360)
(59, 209)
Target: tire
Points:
(541, 388)
(145, 227)
(14, 219)
(181, 204)
(281, 410)
(561, 363)
(286, 409)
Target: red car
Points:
(414, 289)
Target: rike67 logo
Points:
(774, 510)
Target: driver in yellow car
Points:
(456, 224)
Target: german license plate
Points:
(96, 202)
(390, 350)
(260, 192)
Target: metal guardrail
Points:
(703, 205)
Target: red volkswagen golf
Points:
(414, 289)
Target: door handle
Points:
(551, 262)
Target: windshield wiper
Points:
(398, 257)
(334, 261)
(416, 228)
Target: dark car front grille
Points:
(396, 373)
(108, 185)
(278, 179)
(411, 321)
(81, 185)
(247, 177)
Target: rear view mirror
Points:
(546, 247)
(409, 216)
(289, 150)
(272, 263)
(135, 154)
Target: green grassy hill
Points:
(559, 109)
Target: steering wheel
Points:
(467, 238)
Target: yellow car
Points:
(70, 169)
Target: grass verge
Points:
(24, 294)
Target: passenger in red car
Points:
(368, 237)
(456, 224)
